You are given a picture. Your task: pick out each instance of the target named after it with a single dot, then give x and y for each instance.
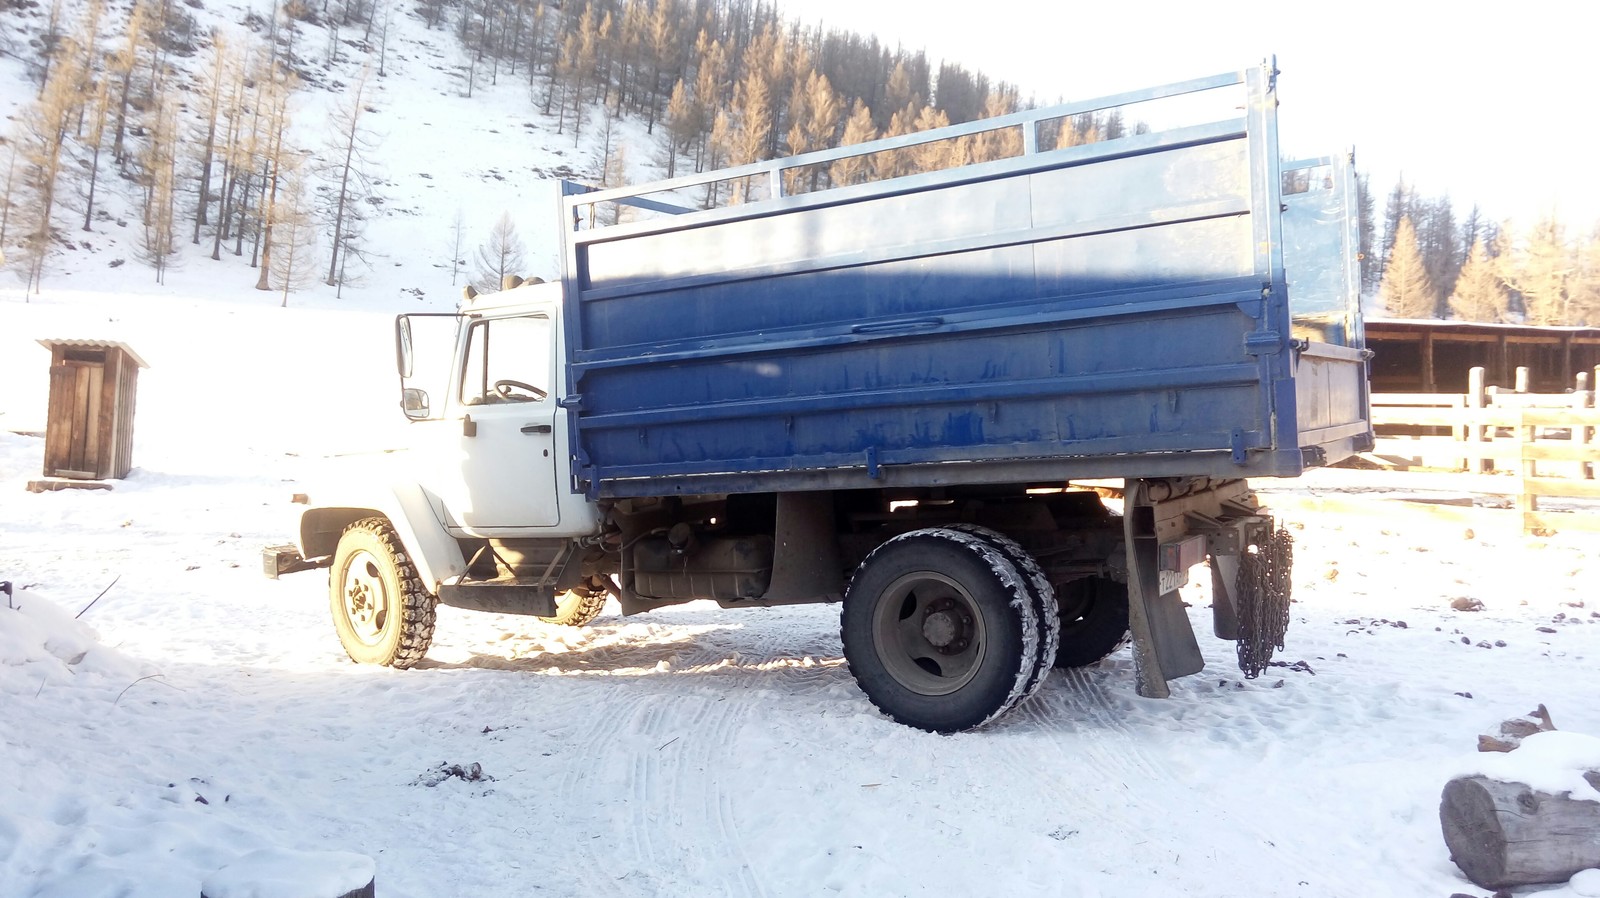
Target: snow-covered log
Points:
(1504, 834)
(367, 891)
(283, 873)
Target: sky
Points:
(1492, 108)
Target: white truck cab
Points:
(476, 513)
(490, 446)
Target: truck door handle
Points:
(885, 327)
(535, 428)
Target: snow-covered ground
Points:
(199, 713)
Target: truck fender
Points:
(436, 554)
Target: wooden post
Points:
(1475, 431)
(1584, 436)
(1522, 379)
(1427, 362)
(1527, 502)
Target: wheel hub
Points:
(366, 603)
(927, 634)
(946, 628)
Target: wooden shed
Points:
(89, 424)
(1432, 356)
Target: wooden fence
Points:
(1526, 446)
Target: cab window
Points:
(507, 360)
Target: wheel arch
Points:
(433, 551)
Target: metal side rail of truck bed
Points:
(1116, 309)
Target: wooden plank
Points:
(58, 420)
(1447, 417)
(50, 486)
(1567, 417)
(1528, 501)
(127, 403)
(1492, 416)
(1449, 448)
(1561, 487)
(1438, 400)
(94, 420)
(1474, 434)
(1402, 511)
(1540, 400)
(1395, 509)
(1560, 450)
(106, 396)
(80, 417)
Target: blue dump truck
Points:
(824, 379)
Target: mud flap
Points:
(1164, 644)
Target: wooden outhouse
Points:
(89, 424)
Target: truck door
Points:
(498, 472)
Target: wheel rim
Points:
(365, 597)
(929, 633)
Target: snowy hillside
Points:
(436, 153)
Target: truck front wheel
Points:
(940, 631)
(380, 610)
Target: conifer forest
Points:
(192, 124)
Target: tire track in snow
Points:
(680, 821)
(714, 730)
(580, 784)
(1082, 704)
(1076, 705)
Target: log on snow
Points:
(1507, 834)
(367, 891)
(302, 874)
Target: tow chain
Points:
(1261, 600)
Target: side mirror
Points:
(414, 403)
(402, 350)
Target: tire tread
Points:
(418, 613)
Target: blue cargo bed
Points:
(1116, 309)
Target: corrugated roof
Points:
(96, 344)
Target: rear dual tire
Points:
(1094, 620)
(943, 629)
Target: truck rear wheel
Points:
(1039, 590)
(380, 610)
(577, 607)
(1094, 620)
(940, 631)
